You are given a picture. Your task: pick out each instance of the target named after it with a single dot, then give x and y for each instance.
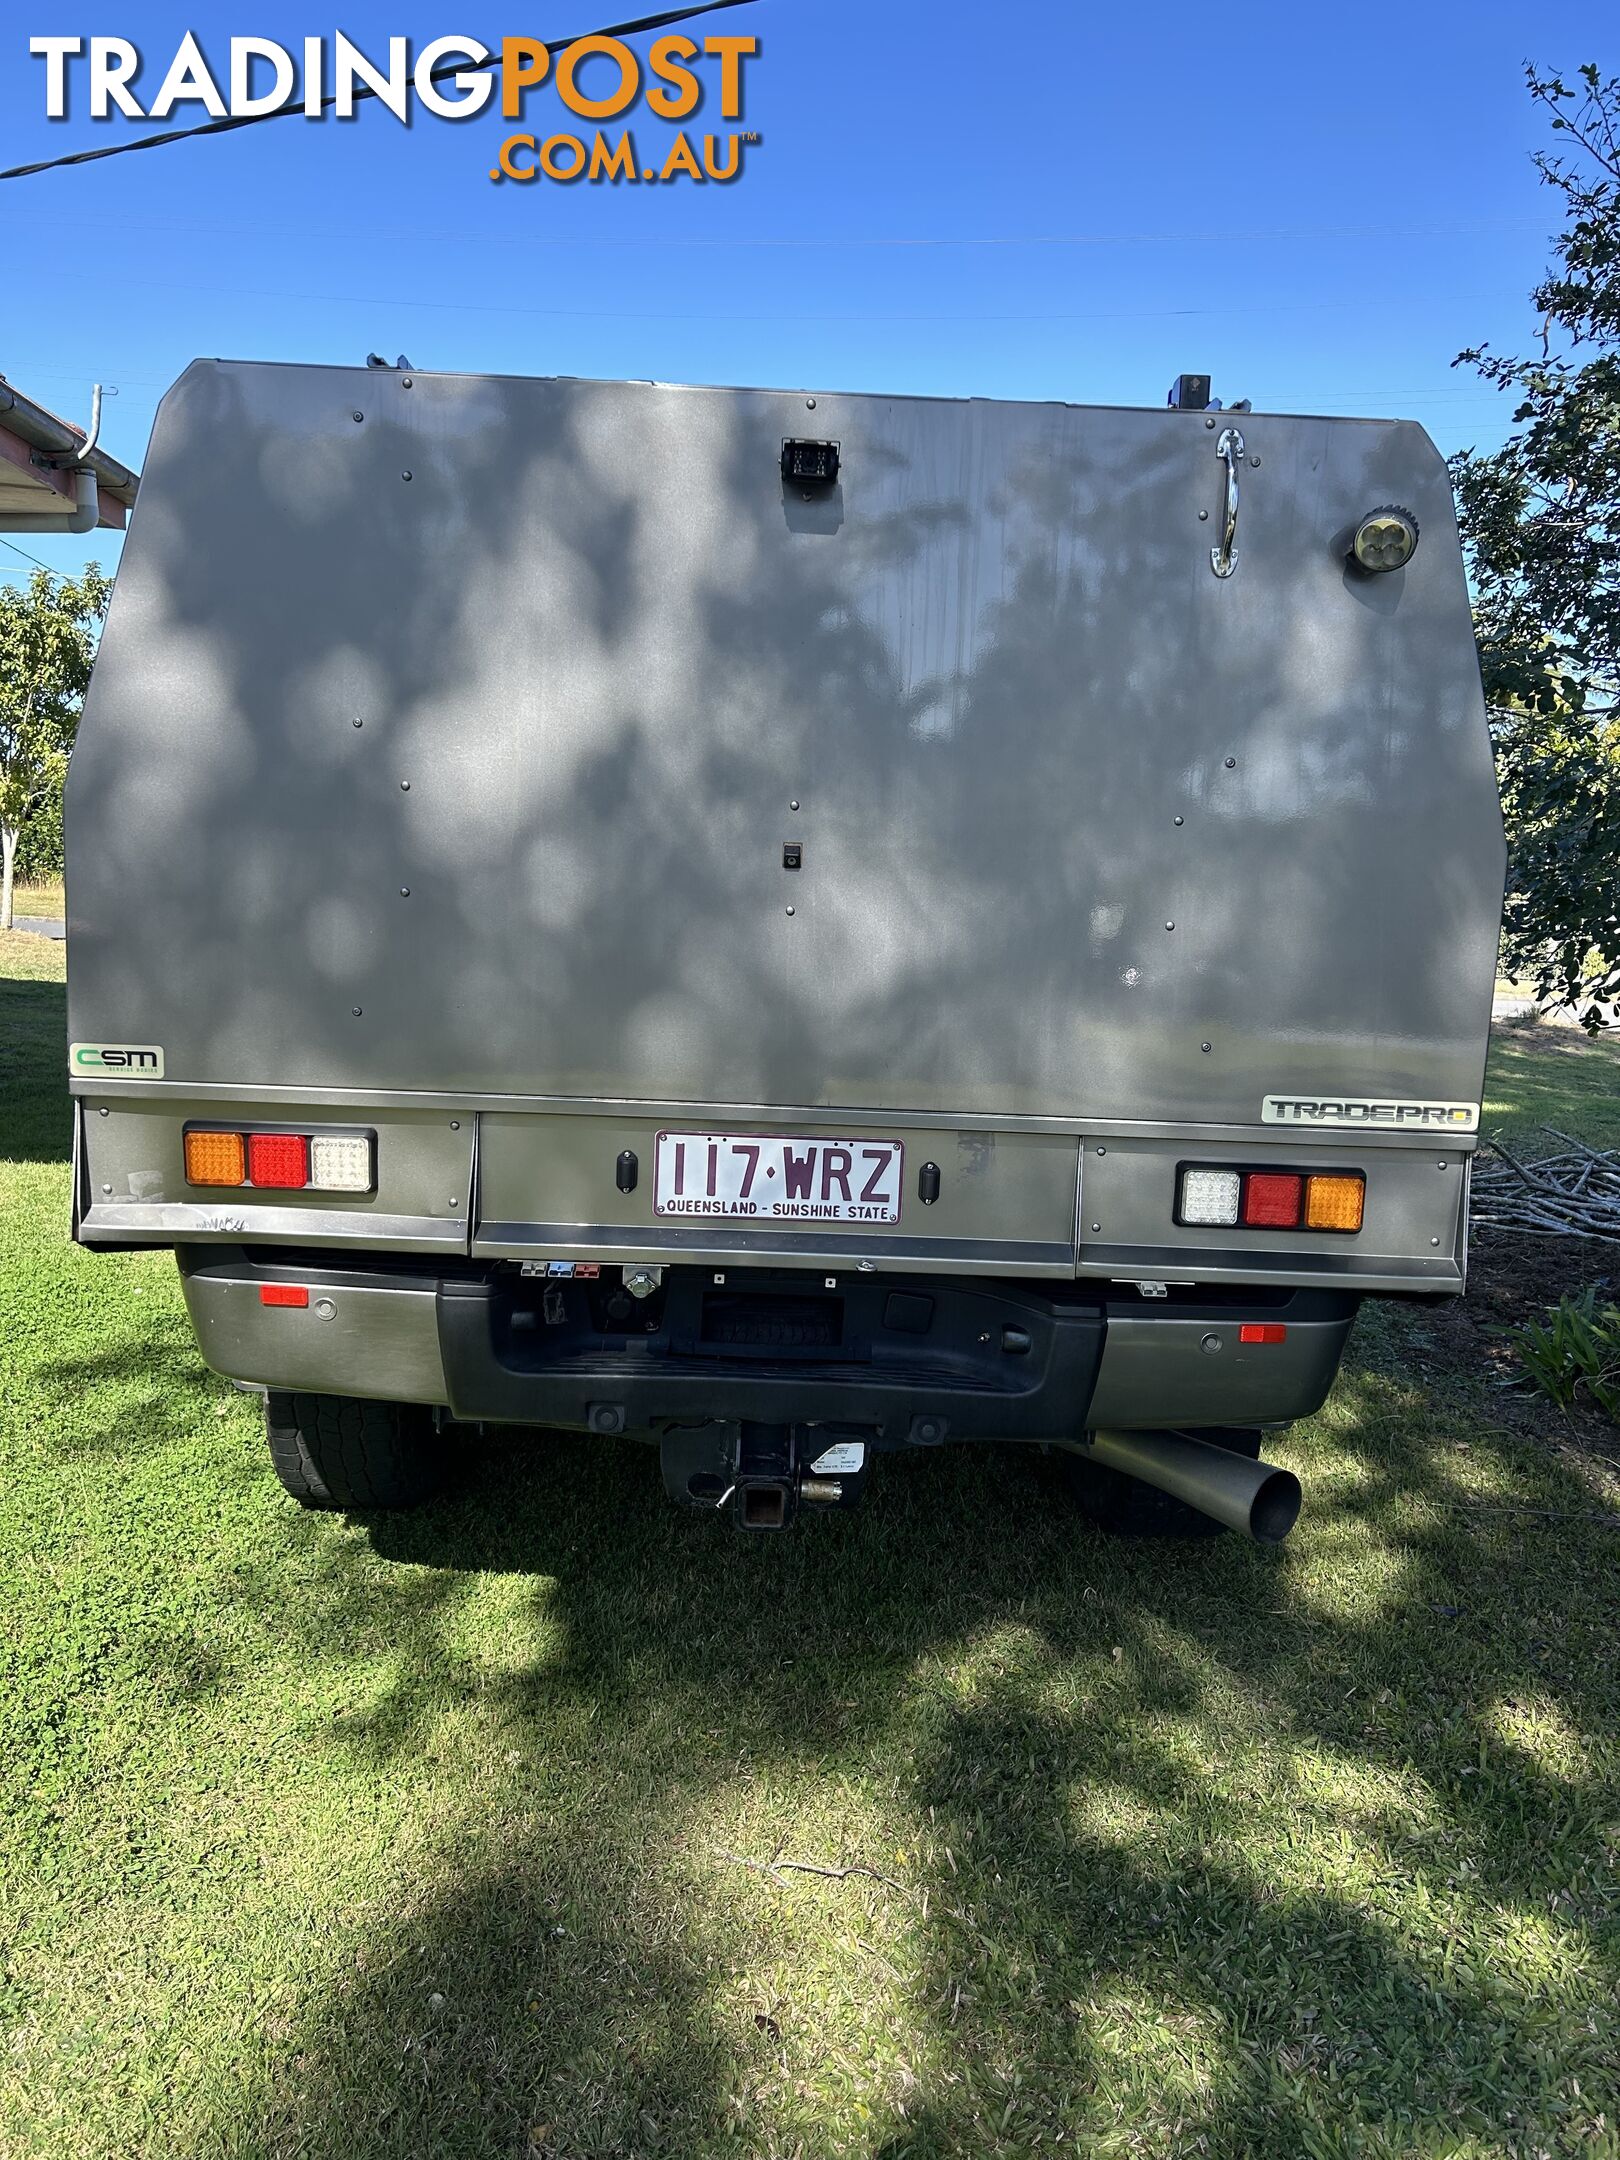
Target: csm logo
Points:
(1360, 1110)
(116, 1061)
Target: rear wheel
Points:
(333, 1451)
(1125, 1507)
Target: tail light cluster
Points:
(281, 1161)
(1332, 1200)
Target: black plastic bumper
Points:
(922, 1360)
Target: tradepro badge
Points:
(1390, 1114)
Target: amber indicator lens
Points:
(1335, 1203)
(215, 1158)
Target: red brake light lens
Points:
(1273, 1200)
(278, 1159)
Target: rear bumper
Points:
(915, 1359)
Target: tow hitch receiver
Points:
(762, 1472)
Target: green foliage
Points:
(39, 850)
(48, 632)
(1574, 1352)
(1541, 523)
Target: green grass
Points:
(1552, 1076)
(425, 1836)
(39, 900)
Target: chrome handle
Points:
(1223, 559)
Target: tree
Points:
(1541, 524)
(48, 633)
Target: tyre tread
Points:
(337, 1451)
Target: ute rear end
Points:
(820, 922)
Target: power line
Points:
(442, 73)
(34, 559)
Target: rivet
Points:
(406, 785)
(1209, 423)
(794, 804)
(105, 1113)
(1231, 761)
(404, 476)
(455, 1124)
(1096, 1226)
(106, 1188)
(1205, 1047)
(1438, 1165)
(790, 911)
(1254, 461)
(359, 416)
(1169, 926)
(404, 892)
(454, 1202)
(355, 1010)
(405, 382)
(359, 723)
(1102, 1151)
(1434, 1241)
(810, 403)
(1180, 820)
(1203, 517)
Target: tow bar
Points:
(758, 1470)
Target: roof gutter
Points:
(43, 432)
(82, 518)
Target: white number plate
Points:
(765, 1177)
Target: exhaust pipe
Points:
(1255, 1497)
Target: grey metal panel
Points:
(135, 1181)
(382, 1340)
(816, 1245)
(607, 651)
(1305, 1268)
(1156, 1371)
(546, 1186)
(741, 1115)
(1411, 1235)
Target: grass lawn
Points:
(447, 1836)
(39, 900)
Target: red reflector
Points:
(1272, 1199)
(283, 1293)
(278, 1158)
(1262, 1331)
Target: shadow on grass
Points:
(1354, 1946)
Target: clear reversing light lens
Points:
(1209, 1196)
(340, 1162)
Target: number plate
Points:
(766, 1177)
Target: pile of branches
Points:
(1575, 1193)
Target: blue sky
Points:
(1318, 207)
